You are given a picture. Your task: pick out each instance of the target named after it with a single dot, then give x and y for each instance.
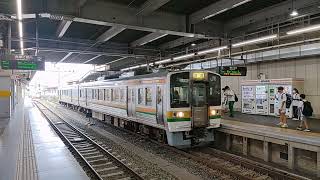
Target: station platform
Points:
(314, 124)
(31, 150)
(259, 137)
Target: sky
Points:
(59, 74)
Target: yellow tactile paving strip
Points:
(26, 163)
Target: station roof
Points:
(126, 33)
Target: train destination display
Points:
(232, 71)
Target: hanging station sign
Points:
(22, 62)
(232, 71)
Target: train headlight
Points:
(213, 112)
(180, 114)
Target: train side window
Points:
(116, 95)
(159, 95)
(122, 95)
(101, 92)
(140, 96)
(96, 94)
(148, 97)
(106, 95)
(111, 95)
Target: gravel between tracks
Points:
(151, 169)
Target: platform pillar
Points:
(291, 157)
(228, 142)
(266, 151)
(318, 164)
(245, 146)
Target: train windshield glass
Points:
(179, 90)
(214, 94)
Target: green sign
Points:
(22, 65)
(232, 71)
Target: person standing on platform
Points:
(229, 99)
(305, 110)
(282, 98)
(295, 103)
(89, 116)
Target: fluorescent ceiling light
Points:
(19, 15)
(163, 61)
(294, 13)
(212, 50)
(253, 41)
(219, 12)
(183, 57)
(304, 30)
(240, 3)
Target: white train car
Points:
(182, 108)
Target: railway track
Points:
(101, 163)
(235, 166)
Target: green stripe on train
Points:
(177, 119)
(215, 117)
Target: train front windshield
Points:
(184, 90)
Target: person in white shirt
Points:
(282, 98)
(229, 99)
(302, 118)
(295, 103)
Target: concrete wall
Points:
(306, 68)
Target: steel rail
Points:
(132, 174)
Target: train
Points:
(181, 108)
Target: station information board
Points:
(232, 71)
(23, 65)
(22, 62)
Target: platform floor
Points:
(314, 124)
(31, 150)
(266, 126)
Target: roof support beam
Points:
(178, 42)
(113, 31)
(65, 57)
(139, 28)
(148, 38)
(273, 13)
(149, 6)
(215, 9)
(104, 13)
(63, 27)
(92, 59)
(120, 59)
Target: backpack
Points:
(307, 109)
(289, 100)
(236, 99)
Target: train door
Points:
(199, 105)
(159, 106)
(131, 102)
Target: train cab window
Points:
(148, 97)
(140, 96)
(179, 90)
(214, 94)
